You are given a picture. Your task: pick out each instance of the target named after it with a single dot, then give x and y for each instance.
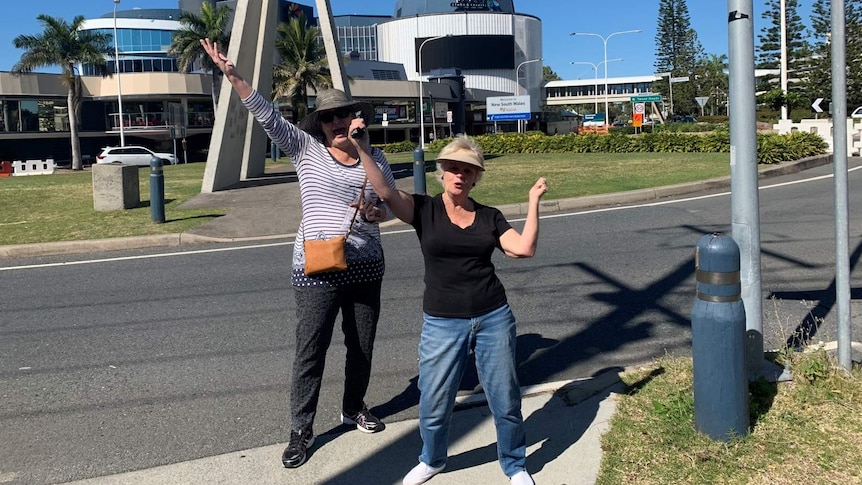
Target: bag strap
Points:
(358, 205)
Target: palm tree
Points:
(711, 78)
(62, 44)
(303, 64)
(186, 45)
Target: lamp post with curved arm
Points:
(605, 42)
(421, 100)
(518, 84)
(117, 68)
(596, 69)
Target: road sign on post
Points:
(701, 101)
(646, 98)
(503, 108)
(816, 105)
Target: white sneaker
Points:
(522, 478)
(421, 473)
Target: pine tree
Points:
(769, 49)
(819, 83)
(677, 52)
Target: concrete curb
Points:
(602, 200)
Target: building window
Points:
(386, 75)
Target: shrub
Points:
(401, 146)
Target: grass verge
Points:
(808, 430)
(59, 207)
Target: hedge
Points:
(771, 148)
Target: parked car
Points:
(683, 119)
(857, 113)
(133, 155)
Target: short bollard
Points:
(718, 341)
(419, 171)
(157, 190)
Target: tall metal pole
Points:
(783, 26)
(518, 83)
(745, 204)
(839, 158)
(670, 88)
(421, 97)
(605, 42)
(117, 73)
(596, 69)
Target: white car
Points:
(857, 113)
(133, 155)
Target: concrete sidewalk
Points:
(564, 427)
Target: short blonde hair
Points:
(461, 143)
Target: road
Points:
(127, 360)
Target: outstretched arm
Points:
(400, 202)
(523, 245)
(242, 88)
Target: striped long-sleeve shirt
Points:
(327, 188)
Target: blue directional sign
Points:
(508, 116)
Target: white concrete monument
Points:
(238, 145)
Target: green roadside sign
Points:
(650, 98)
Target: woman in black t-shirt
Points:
(465, 308)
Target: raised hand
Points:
(224, 64)
(227, 67)
(539, 189)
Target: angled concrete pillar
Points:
(330, 43)
(238, 145)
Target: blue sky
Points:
(559, 18)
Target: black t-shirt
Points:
(460, 280)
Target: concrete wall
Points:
(823, 127)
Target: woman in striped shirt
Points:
(331, 179)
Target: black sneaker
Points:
(364, 421)
(294, 454)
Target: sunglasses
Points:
(328, 116)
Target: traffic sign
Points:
(639, 108)
(681, 79)
(647, 98)
(816, 105)
(701, 100)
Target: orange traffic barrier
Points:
(5, 169)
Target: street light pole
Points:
(117, 73)
(518, 84)
(605, 42)
(596, 88)
(421, 100)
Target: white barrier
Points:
(33, 167)
(823, 127)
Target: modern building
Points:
(470, 50)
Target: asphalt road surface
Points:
(127, 360)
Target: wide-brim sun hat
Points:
(465, 156)
(332, 99)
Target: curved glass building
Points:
(144, 37)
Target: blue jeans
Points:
(444, 349)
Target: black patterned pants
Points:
(316, 311)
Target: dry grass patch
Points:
(805, 431)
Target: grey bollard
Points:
(419, 170)
(157, 190)
(718, 341)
